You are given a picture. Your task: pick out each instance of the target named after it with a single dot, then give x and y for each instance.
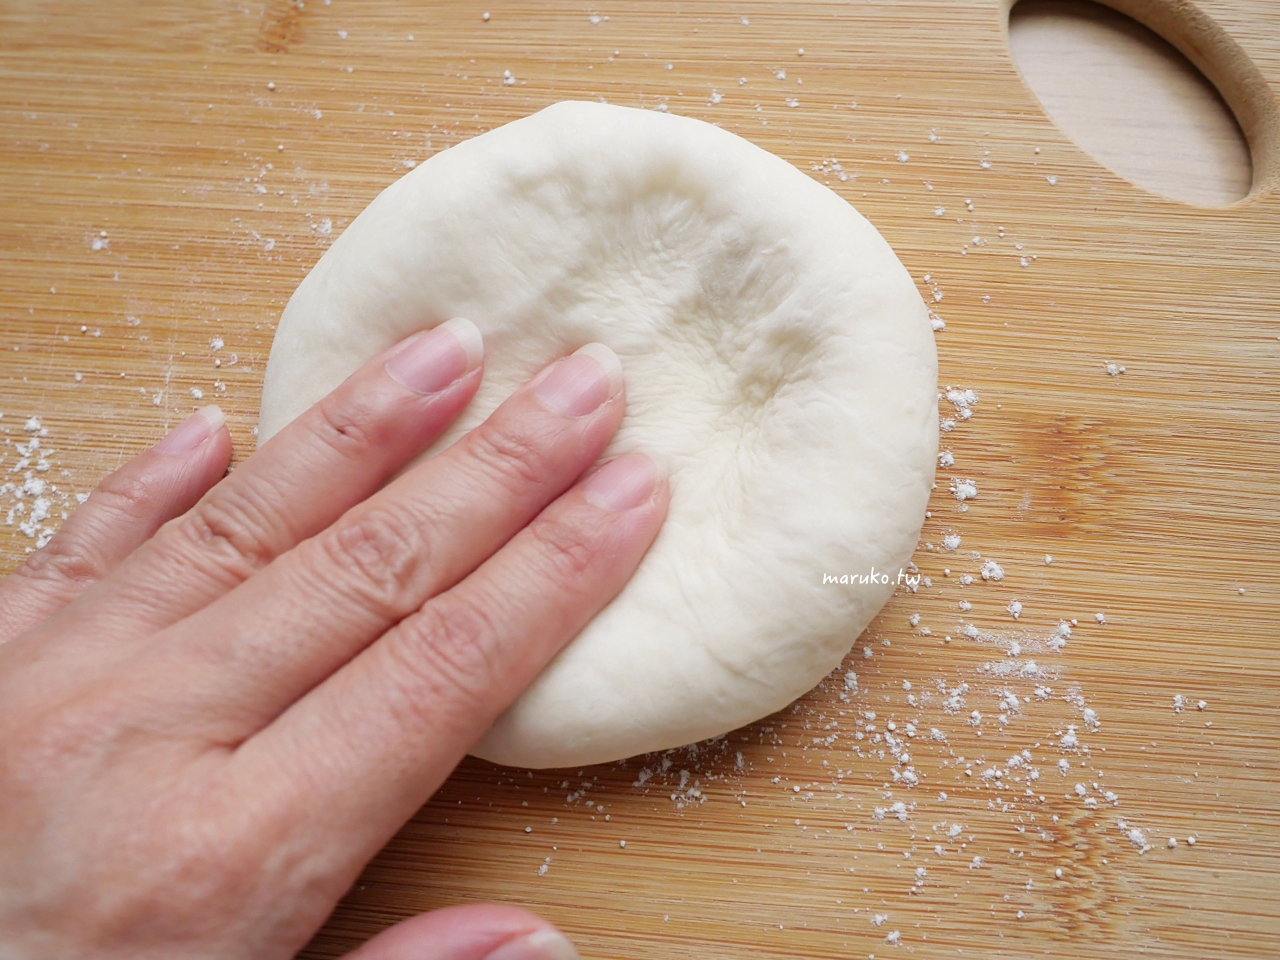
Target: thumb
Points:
(481, 931)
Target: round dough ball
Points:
(777, 357)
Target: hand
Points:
(220, 697)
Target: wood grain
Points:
(1153, 490)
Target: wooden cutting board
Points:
(170, 171)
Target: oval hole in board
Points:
(1131, 101)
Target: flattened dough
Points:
(777, 355)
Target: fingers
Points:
(380, 735)
(332, 457)
(259, 649)
(482, 931)
(120, 515)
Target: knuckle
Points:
(447, 661)
(567, 550)
(46, 743)
(126, 494)
(124, 497)
(384, 559)
(202, 866)
(63, 560)
(230, 528)
(516, 455)
(349, 424)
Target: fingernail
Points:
(191, 432)
(581, 381)
(623, 483)
(544, 944)
(430, 361)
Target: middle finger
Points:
(257, 650)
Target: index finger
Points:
(338, 453)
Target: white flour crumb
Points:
(962, 400)
(1012, 667)
(1136, 837)
(1015, 609)
(992, 570)
(964, 490)
(1060, 636)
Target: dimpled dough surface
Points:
(777, 357)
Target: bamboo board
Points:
(157, 193)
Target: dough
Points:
(776, 354)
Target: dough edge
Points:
(526, 734)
